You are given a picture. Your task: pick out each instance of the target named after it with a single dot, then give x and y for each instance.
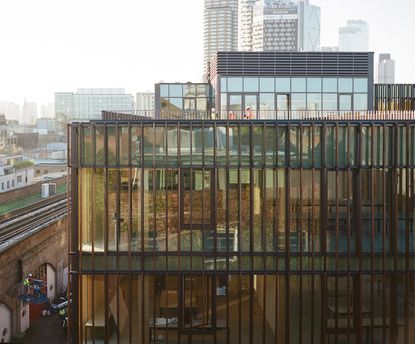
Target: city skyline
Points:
(64, 56)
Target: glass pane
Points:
(250, 84)
(223, 84)
(266, 105)
(282, 85)
(314, 85)
(203, 90)
(345, 102)
(189, 90)
(123, 144)
(329, 102)
(360, 85)
(201, 104)
(164, 91)
(298, 85)
(234, 84)
(314, 101)
(235, 105)
(330, 85)
(298, 101)
(266, 84)
(360, 102)
(189, 104)
(345, 85)
(176, 91)
(282, 102)
(177, 103)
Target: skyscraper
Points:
(354, 36)
(245, 24)
(220, 27)
(386, 69)
(279, 25)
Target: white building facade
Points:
(354, 36)
(144, 101)
(12, 178)
(386, 69)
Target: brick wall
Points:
(47, 246)
(26, 191)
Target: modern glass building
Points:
(273, 85)
(88, 103)
(236, 231)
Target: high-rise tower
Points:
(220, 27)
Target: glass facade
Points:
(183, 100)
(88, 104)
(285, 97)
(243, 232)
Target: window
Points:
(266, 84)
(314, 85)
(2, 186)
(13, 183)
(234, 84)
(250, 84)
(360, 102)
(8, 184)
(282, 85)
(345, 85)
(298, 85)
(360, 85)
(19, 179)
(330, 85)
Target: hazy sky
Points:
(60, 45)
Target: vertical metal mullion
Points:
(251, 233)
(312, 129)
(106, 236)
(130, 216)
(287, 232)
(300, 236)
(372, 241)
(118, 224)
(384, 226)
(275, 235)
(348, 214)
(407, 237)
(143, 299)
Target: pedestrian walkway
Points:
(47, 330)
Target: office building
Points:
(228, 230)
(47, 110)
(220, 27)
(10, 109)
(386, 69)
(88, 103)
(29, 112)
(144, 101)
(243, 231)
(279, 25)
(354, 36)
(246, 16)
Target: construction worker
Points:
(27, 282)
(248, 113)
(213, 114)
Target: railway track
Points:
(30, 208)
(17, 225)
